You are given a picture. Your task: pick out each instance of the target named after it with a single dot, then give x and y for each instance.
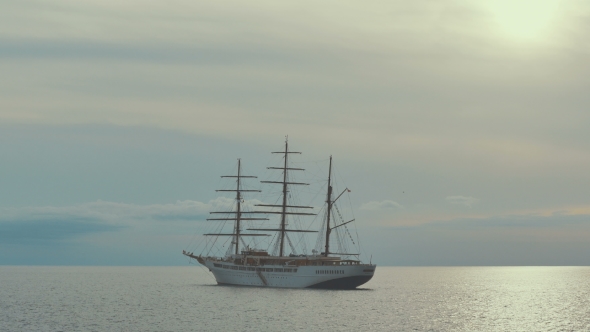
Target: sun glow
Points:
(524, 20)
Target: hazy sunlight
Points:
(524, 20)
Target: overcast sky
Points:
(462, 127)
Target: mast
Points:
(238, 213)
(329, 201)
(284, 207)
(284, 212)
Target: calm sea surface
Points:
(397, 299)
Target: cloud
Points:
(382, 205)
(214, 64)
(168, 53)
(112, 212)
(50, 223)
(462, 200)
(556, 222)
(556, 239)
(51, 230)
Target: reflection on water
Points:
(397, 298)
(495, 298)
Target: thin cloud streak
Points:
(381, 205)
(76, 50)
(501, 240)
(467, 201)
(49, 231)
(113, 212)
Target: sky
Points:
(462, 128)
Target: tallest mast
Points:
(239, 208)
(284, 207)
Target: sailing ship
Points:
(250, 266)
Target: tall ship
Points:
(285, 262)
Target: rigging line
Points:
(358, 242)
(276, 247)
(339, 243)
(302, 242)
(210, 248)
(291, 244)
(322, 213)
(341, 220)
(358, 239)
(274, 238)
(340, 238)
(218, 229)
(193, 240)
(203, 268)
(317, 193)
(223, 243)
(322, 232)
(198, 248)
(339, 214)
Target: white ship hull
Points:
(325, 277)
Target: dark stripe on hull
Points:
(238, 285)
(343, 283)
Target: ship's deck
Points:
(257, 260)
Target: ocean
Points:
(396, 299)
